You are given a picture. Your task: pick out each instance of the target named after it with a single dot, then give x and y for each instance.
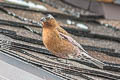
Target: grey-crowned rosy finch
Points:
(61, 44)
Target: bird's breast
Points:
(56, 45)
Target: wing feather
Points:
(74, 42)
(84, 54)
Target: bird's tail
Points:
(85, 57)
(96, 62)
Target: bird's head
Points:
(49, 22)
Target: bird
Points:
(60, 43)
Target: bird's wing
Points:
(84, 54)
(61, 30)
(70, 39)
(65, 35)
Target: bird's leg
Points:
(53, 58)
(58, 59)
(69, 64)
(66, 61)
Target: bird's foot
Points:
(64, 61)
(52, 58)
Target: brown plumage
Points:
(61, 44)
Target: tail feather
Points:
(85, 57)
(96, 62)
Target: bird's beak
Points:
(43, 19)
